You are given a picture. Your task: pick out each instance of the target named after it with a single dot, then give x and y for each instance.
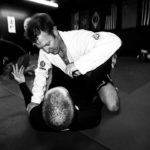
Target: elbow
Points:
(117, 43)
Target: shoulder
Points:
(44, 61)
(107, 34)
(76, 32)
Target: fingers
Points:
(16, 67)
(14, 72)
(17, 73)
(69, 71)
(72, 71)
(17, 70)
(13, 66)
(76, 73)
(21, 70)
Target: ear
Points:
(55, 31)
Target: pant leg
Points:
(82, 85)
(87, 116)
(100, 74)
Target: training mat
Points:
(130, 129)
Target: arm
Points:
(20, 78)
(41, 76)
(18, 74)
(106, 45)
(26, 93)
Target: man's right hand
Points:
(72, 71)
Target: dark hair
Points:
(39, 22)
(58, 108)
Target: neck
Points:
(63, 49)
(63, 52)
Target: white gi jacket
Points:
(86, 49)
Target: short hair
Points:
(58, 108)
(37, 23)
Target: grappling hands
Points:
(18, 73)
(72, 71)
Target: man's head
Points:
(25, 23)
(43, 33)
(58, 108)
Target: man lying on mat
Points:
(64, 107)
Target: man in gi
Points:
(75, 53)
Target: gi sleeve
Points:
(106, 45)
(41, 75)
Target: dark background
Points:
(128, 26)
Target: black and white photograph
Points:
(74, 75)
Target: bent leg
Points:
(104, 85)
(109, 96)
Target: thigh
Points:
(87, 116)
(80, 88)
(59, 78)
(96, 76)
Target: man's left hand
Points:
(72, 71)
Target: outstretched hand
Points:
(18, 73)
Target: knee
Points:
(114, 107)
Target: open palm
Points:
(18, 73)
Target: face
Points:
(48, 43)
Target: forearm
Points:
(26, 93)
(39, 86)
(41, 76)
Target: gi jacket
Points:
(86, 49)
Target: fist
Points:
(72, 71)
